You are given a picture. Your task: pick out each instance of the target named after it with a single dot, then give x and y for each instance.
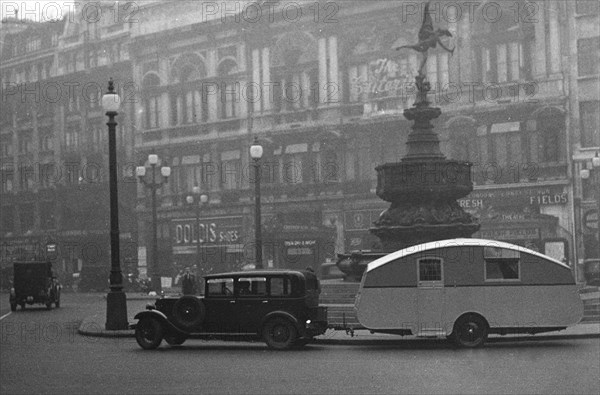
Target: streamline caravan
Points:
(465, 289)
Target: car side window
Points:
(219, 287)
(251, 286)
(280, 286)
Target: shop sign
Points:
(510, 234)
(383, 75)
(300, 247)
(221, 231)
(531, 196)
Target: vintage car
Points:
(279, 306)
(34, 282)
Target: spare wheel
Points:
(188, 312)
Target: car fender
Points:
(161, 317)
(283, 314)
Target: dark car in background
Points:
(34, 282)
(280, 307)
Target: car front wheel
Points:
(149, 333)
(279, 334)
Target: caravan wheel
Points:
(470, 331)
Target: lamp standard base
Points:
(116, 311)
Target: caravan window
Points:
(430, 269)
(502, 264)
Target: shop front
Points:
(298, 240)
(529, 216)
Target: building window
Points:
(6, 148)
(47, 175)
(550, 129)
(230, 169)
(589, 112)
(587, 56)
(7, 180)
(25, 143)
(27, 177)
(7, 219)
(46, 142)
(430, 269)
(587, 7)
(501, 264)
(501, 49)
(152, 101)
(72, 136)
(71, 172)
(27, 216)
(47, 218)
(229, 91)
(186, 104)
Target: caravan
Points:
(465, 289)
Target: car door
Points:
(252, 302)
(220, 303)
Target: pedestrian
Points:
(188, 283)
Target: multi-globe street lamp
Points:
(256, 152)
(116, 302)
(201, 199)
(153, 184)
(594, 172)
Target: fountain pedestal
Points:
(422, 188)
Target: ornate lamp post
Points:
(256, 152)
(153, 184)
(116, 302)
(595, 173)
(202, 199)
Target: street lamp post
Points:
(153, 184)
(585, 174)
(116, 302)
(202, 199)
(256, 152)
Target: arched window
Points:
(295, 72)
(187, 106)
(151, 101)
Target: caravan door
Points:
(430, 296)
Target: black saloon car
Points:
(34, 282)
(279, 306)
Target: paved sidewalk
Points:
(94, 324)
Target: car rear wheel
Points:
(23, 306)
(149, 333)
(279, 334)
(175, 340)
(49, 305)
(470, 331)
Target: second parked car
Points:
(280, 307)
